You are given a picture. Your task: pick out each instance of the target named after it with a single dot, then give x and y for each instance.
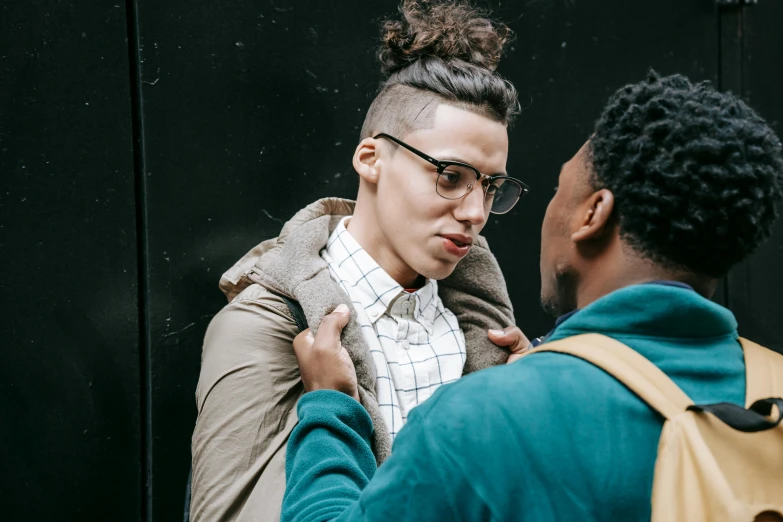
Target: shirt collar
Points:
(657, 309)
(661, 282)
(426, 304)
(370, 285)
(563, 318)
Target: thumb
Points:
(510, 337)
(342, 313)
(500, 338)
(332, 325)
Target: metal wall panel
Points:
(755, 286)
(252, 110)
(244, 112)
(69, 364)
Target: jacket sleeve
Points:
(331, 472)
(246, 398)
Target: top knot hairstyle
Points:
(445, 30)
(441, 51)
(696, 173)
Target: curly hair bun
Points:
(447, 29)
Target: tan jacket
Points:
(249, 383)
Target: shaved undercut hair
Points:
(441, 52)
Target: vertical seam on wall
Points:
(719, 20)
(726, 284)
(741, 79)
(721, 87)
(731, 51)
(741, 94)
(145, 377)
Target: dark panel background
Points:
(756, 285)
(568, 58)
(244, 113)
(252, 110)
(69, 363)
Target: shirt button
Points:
(405, 345)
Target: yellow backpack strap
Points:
(627, 366)
(763, 372)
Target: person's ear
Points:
(367, 160)
(596, 217)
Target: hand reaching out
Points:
(323, 362)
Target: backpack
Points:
(716, 462)
(301, 323)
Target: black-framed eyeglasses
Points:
(456, 180)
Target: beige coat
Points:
(249, 383)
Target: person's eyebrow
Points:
(460, 160)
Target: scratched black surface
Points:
(69, 362)
(755, 286)
(249, 111)
(252, 110)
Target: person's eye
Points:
(452, 177)
(556, 187)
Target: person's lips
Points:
(457, 244)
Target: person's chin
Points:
(549, 305)
(560, 297)
(437, 269)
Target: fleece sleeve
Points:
(331, 472)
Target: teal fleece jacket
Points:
(547, 438)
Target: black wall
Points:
(70, 388)
(757, 72)
(146, 145)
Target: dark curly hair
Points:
(441, 51)
(696, 173)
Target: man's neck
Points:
(609, 275)
(365, 231)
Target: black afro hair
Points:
(696, 173)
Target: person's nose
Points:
(472, 208)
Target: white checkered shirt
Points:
(415, 342)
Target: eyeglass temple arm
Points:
(419, 153)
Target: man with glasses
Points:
(406, 258)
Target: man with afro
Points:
(677, 183)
